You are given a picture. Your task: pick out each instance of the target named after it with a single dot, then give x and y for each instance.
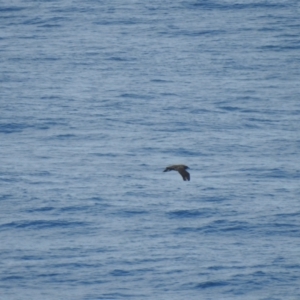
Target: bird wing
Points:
(185, 175)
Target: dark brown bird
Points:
(181, 169)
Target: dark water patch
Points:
(276, 228)
(50, 97)
(50, 122)
(286, 215)
(4, 9)
(13, 127)
(287, 226)
(65, 136)
(41, 174)
(128, 213)
(261, 120)
(97, 199)
(182, 152)
(230, 108)
(214, 198)
(42, 127)
(119, 272)
(186, 229)
(114, 296)
(208, 32)
(40, 209)
(271, 173)
(226, 226)
(295, 266)
(279, 48)
(218, 227)
(41, 224)
(200, 111)
(9, 128)
(192, 213)
(121, 59)
(211, 284)
(280, 173)
(77, 208)
(46, 23)
(12, 278)
(218, 268)
(31, 257)
(251, 126)
(44, 58)
(105, 154)
(218, 5)
(240, 226)
(160, 81)
(93, 53)
(172, 127)
(168, 94)
(200, 33)
(5, 196)
(78, 265)
(111, 22)
(136, 96)
(105, 22)
(33, 21)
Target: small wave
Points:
(216, 227)
(41, 209)
(189, 213)
(211, 284)
(208, 5)
(13, 127)
(136, 96)
(4, 9)
(65, 136)
(119, 272)
(41, 224)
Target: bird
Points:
(181, 169)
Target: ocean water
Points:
(98, 97)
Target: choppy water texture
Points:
(97, 98)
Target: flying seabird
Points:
(181, 170)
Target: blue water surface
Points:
(97, 98)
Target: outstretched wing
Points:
(185, 175)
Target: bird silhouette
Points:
(181, 169)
